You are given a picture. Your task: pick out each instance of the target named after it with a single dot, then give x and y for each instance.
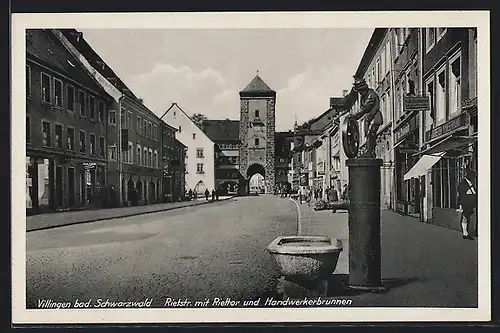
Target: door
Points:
(71, 186)
(59, 186)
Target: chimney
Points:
(344, 93)
(140, 100)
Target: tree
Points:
(198, 118)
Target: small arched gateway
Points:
(256, 179)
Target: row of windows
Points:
(444, 89)
(73, 100)
(143, 126)
(230, 146)
(143, 156)
(56, 137)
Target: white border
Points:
(20, 22)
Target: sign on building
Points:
(416, 103)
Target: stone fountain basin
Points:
(306, 258)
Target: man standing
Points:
(467, 201)
(370, 109)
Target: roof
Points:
(371, 48)
(76, 38)
(175, 105)
(257, 87)
(222, 130)
(43, 46)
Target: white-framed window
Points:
(389, 107)
(138, 159)
(92, 143)
(383, 102)
(388, 58)
(441, 95)
(82, 103)
(145, 156)
(70, 137)
(382, 64)
(430, 38)
(139, 125)
(83, 142)
(430, 90)
(155, 159)
(454, 79)
(112, 117)
(150, 157)
(47, 135)
(58, 132)
(440, 32)
(130, 152)
(100, 111)
(58, 92)
(377, 73)
(112, 152)
(92, 107)
(28, 80)
(102, 147)
(70, 98)
(45, 87)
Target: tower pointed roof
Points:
(257, 87)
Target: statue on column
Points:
(369, 109)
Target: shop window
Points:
(46, 91)
(92, 144)
(47, 142)
(441, 97)
(58, 129)
(28, 80)
(112, 117)
(58, 93)
(102, 145)
(70, 98)
(71, 138)
(454, 91)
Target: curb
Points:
(299, 217)
(122, 216)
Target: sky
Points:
(203, 70)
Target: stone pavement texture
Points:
(422, 264)
(54, 220)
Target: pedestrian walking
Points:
(345, 192)
(217, 193)
(213, 194)
(207, 193)
(467, 200)
(190, 194)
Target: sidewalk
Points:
(422, 264)
(54, 220)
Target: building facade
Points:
(449, 130)
(283, 146)
(225, 136)
(134, 169)
(199, 158)
(257, 134)
(66, 128)
(174, 170)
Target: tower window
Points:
(257, 114)
(256, 142)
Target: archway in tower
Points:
(256, 179)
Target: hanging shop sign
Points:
(89, 165)
(304, 179)
(416, 103)
(406, 129)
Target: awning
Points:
(451, 142)
(423, 164)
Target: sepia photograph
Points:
(253, 167)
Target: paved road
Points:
(195, 253)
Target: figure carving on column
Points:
(369, 109)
